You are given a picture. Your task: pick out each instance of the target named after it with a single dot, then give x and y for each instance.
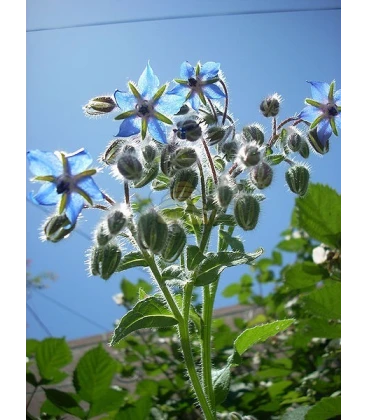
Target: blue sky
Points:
(259, 54)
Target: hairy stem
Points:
(209, 157)
(226, 101)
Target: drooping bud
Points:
(304, 149)
(215, 134)
(261, 175)
(149, 153)
(297, 178)
(315, 142)
(230, 150)
(130, 167)
(254, 132)
(55, 228)
(184, 157)
(183, 184)
(165, 162)
(111, 153)
(116, 221)
(188, 130)
(175, 242)
(183, 110)
(225, 191)
(246, 211)
(270, 106)
(294, 140)
(103, 261)
(152, 231)
(99, 105)
(103, 236)
(249, 154)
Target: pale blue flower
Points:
(67, 181)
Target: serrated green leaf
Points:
(326, 408)
(259, 333)
(210, 268)
(276, 258)
(31, 346)
(319, 214)
(130, 260)
(173, 272)
(325, 301)
(221, 383)
(51, 355)
(94, 373)
(321, 327)
(306, 274)
(111, 400)
(236, 244)
(225, 219)
(174, 214)
(194, 257)
(149, 313)
(31, 379)
(139, 410)
(65, 401)
(297, 414)
(49, 408)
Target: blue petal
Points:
(157, 129)
(195, 101)
(46, 195)
(125, 100)
(324, 131)
(209, 70)
(309, 113)
(129, 126)
(78, 161)
(74, 206)
(213, 91)
(89, 186)
(170, 103)
(320, 91)
(337, 97)
(148, 83)
(181, 90)
(187, 71)
(338, 121)
(44, 163)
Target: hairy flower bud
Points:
(254, 132)
(130, 167)
(261, 175)
(304, 149)
(176, 240)
(103, 261)
(316, 143)
(111, 153)
(116, 221)
(100, 105)
(230, 150)
(55, 228)
(183, 110)
(149, 153)
(297, 178)
(225, 191)
(188, 130)
(184, 157)
(294, 140)
(183, 184)
(249, 154)
(103, 236)
(215, 134)
(270, 106)
(152, 231)
(246, 211)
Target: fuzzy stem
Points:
(282, 123)
(214, 112)
(203, 190)
(126, 193)
(209, 157)
(226, 101)
(108, 199)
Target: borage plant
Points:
(184, 141)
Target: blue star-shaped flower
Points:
(67, 181)
(323, 110)
(198, 83)
(144, 107)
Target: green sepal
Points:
(148, 176)
(313, 103)
(331, 91)
(47, 178)
(144, 128)
(84, 195)
(88, 172)
(126, 114)
(210, 81)
(64, 199)
(181, 81)
(64, 162)
(333, 126)
(159, 93)
(202, 98)
(316, 121)
(162, 117)
(134, 90)
(197, 69)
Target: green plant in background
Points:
(215, 178)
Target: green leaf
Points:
(297, 414)
(221, 383)
(321, 327)
(31, 379)
(225, 219)
(49, 408)
(194, 257)
(292, 244)
(148, 176)
(137, 411)
(112, 400)
(162, 182)
(236, 244)
(276, 258)
(175, 213)
(319, 214)
(65, 401)
(31, 346)
(94, 373)
(51, 355)
(130, 260)
(306, 274)
(149, 313)
(326, 408)
(278, 388)
(275, 159)
(147, 387)
(242, 288)
(325, 301)
(173, 272)
(273, 373)
(259, 333)
(209, 269)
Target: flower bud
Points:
(175, 242)
(55, 228)
(254, 132)
(230, 150)
(261, 175)
(149, 153)
(130, 167)
(294, 140)
(297, 178)
(112, 152)
(249, 154)
(215, 134)
(315, 142)
(165, 162)
(188, 130)
(116, 221)
(224, 195)
(103, 236)
(183, 110)
(184, 157)
(103, 261)
(152, 231)
(304, 149)
(99, 105)
(183, 184)
(234, 416)
(270, 106)
(246, 211)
